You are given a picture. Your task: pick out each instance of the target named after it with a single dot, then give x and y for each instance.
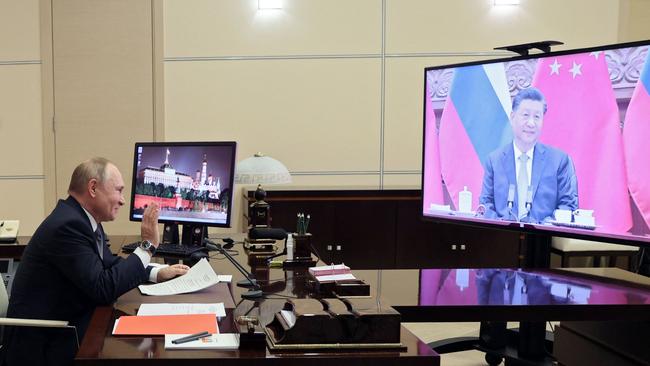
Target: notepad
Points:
(214, 341)
(166, 324)
(182, 308)
(332, 273)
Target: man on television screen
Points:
(527, 180)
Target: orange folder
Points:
(166, 324)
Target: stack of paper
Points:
(182, 308)
(332, 273)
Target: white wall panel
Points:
(22, 199)
(313, 115)
(477, 25)
(19, 30)
(237, 27)
(21, 140)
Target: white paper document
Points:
(224, 278)
(200, 276)
(289, 317)
(182, 308)
(214, 341)
(336, 277)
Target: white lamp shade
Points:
(260, 169)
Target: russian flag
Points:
(583, 120)
(432, 179)
(636, 139)
(475, 122)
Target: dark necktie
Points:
(99, 238)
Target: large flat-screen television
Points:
(192, 182)
(555, 143)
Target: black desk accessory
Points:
(229, 243)
(334, 324)
(255, 292)
(301, 251)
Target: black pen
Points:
(191, 337)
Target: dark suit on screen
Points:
(553, 182)
(62, 277)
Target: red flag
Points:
(583, 120)
(636, 136)
(432, 181)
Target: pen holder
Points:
(301, 251)
(302, 245)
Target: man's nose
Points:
(122, 201)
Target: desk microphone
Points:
(529, 198)
(529, 203)
(511, 196)
(255, 292)
(511, 201)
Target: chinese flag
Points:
(636, 136)
(583, 120)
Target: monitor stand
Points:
(192, 236)
(170, 234)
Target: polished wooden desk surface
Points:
(529, 295)
(99, 346)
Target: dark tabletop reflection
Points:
(519, 287)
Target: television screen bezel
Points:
(517, 226)
(233, 147)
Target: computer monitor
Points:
(580, 117)
(192, 183)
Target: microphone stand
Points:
(255, 292)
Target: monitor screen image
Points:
(556, 142)
(192, 182)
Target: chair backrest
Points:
(4, 297)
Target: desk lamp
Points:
(260, 169)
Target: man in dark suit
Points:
(67, 270)
(527, 180)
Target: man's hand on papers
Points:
(172, 271)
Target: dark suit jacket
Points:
(553, 182)
(62, 277)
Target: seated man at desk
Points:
(527, 180)
(67, 269)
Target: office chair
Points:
(19, 322)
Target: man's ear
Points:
(92, 187)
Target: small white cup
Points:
(563, 215)
(584, 213)
(585, 220)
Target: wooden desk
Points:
(100, 347)
(14, 250)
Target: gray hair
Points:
(94, 168)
